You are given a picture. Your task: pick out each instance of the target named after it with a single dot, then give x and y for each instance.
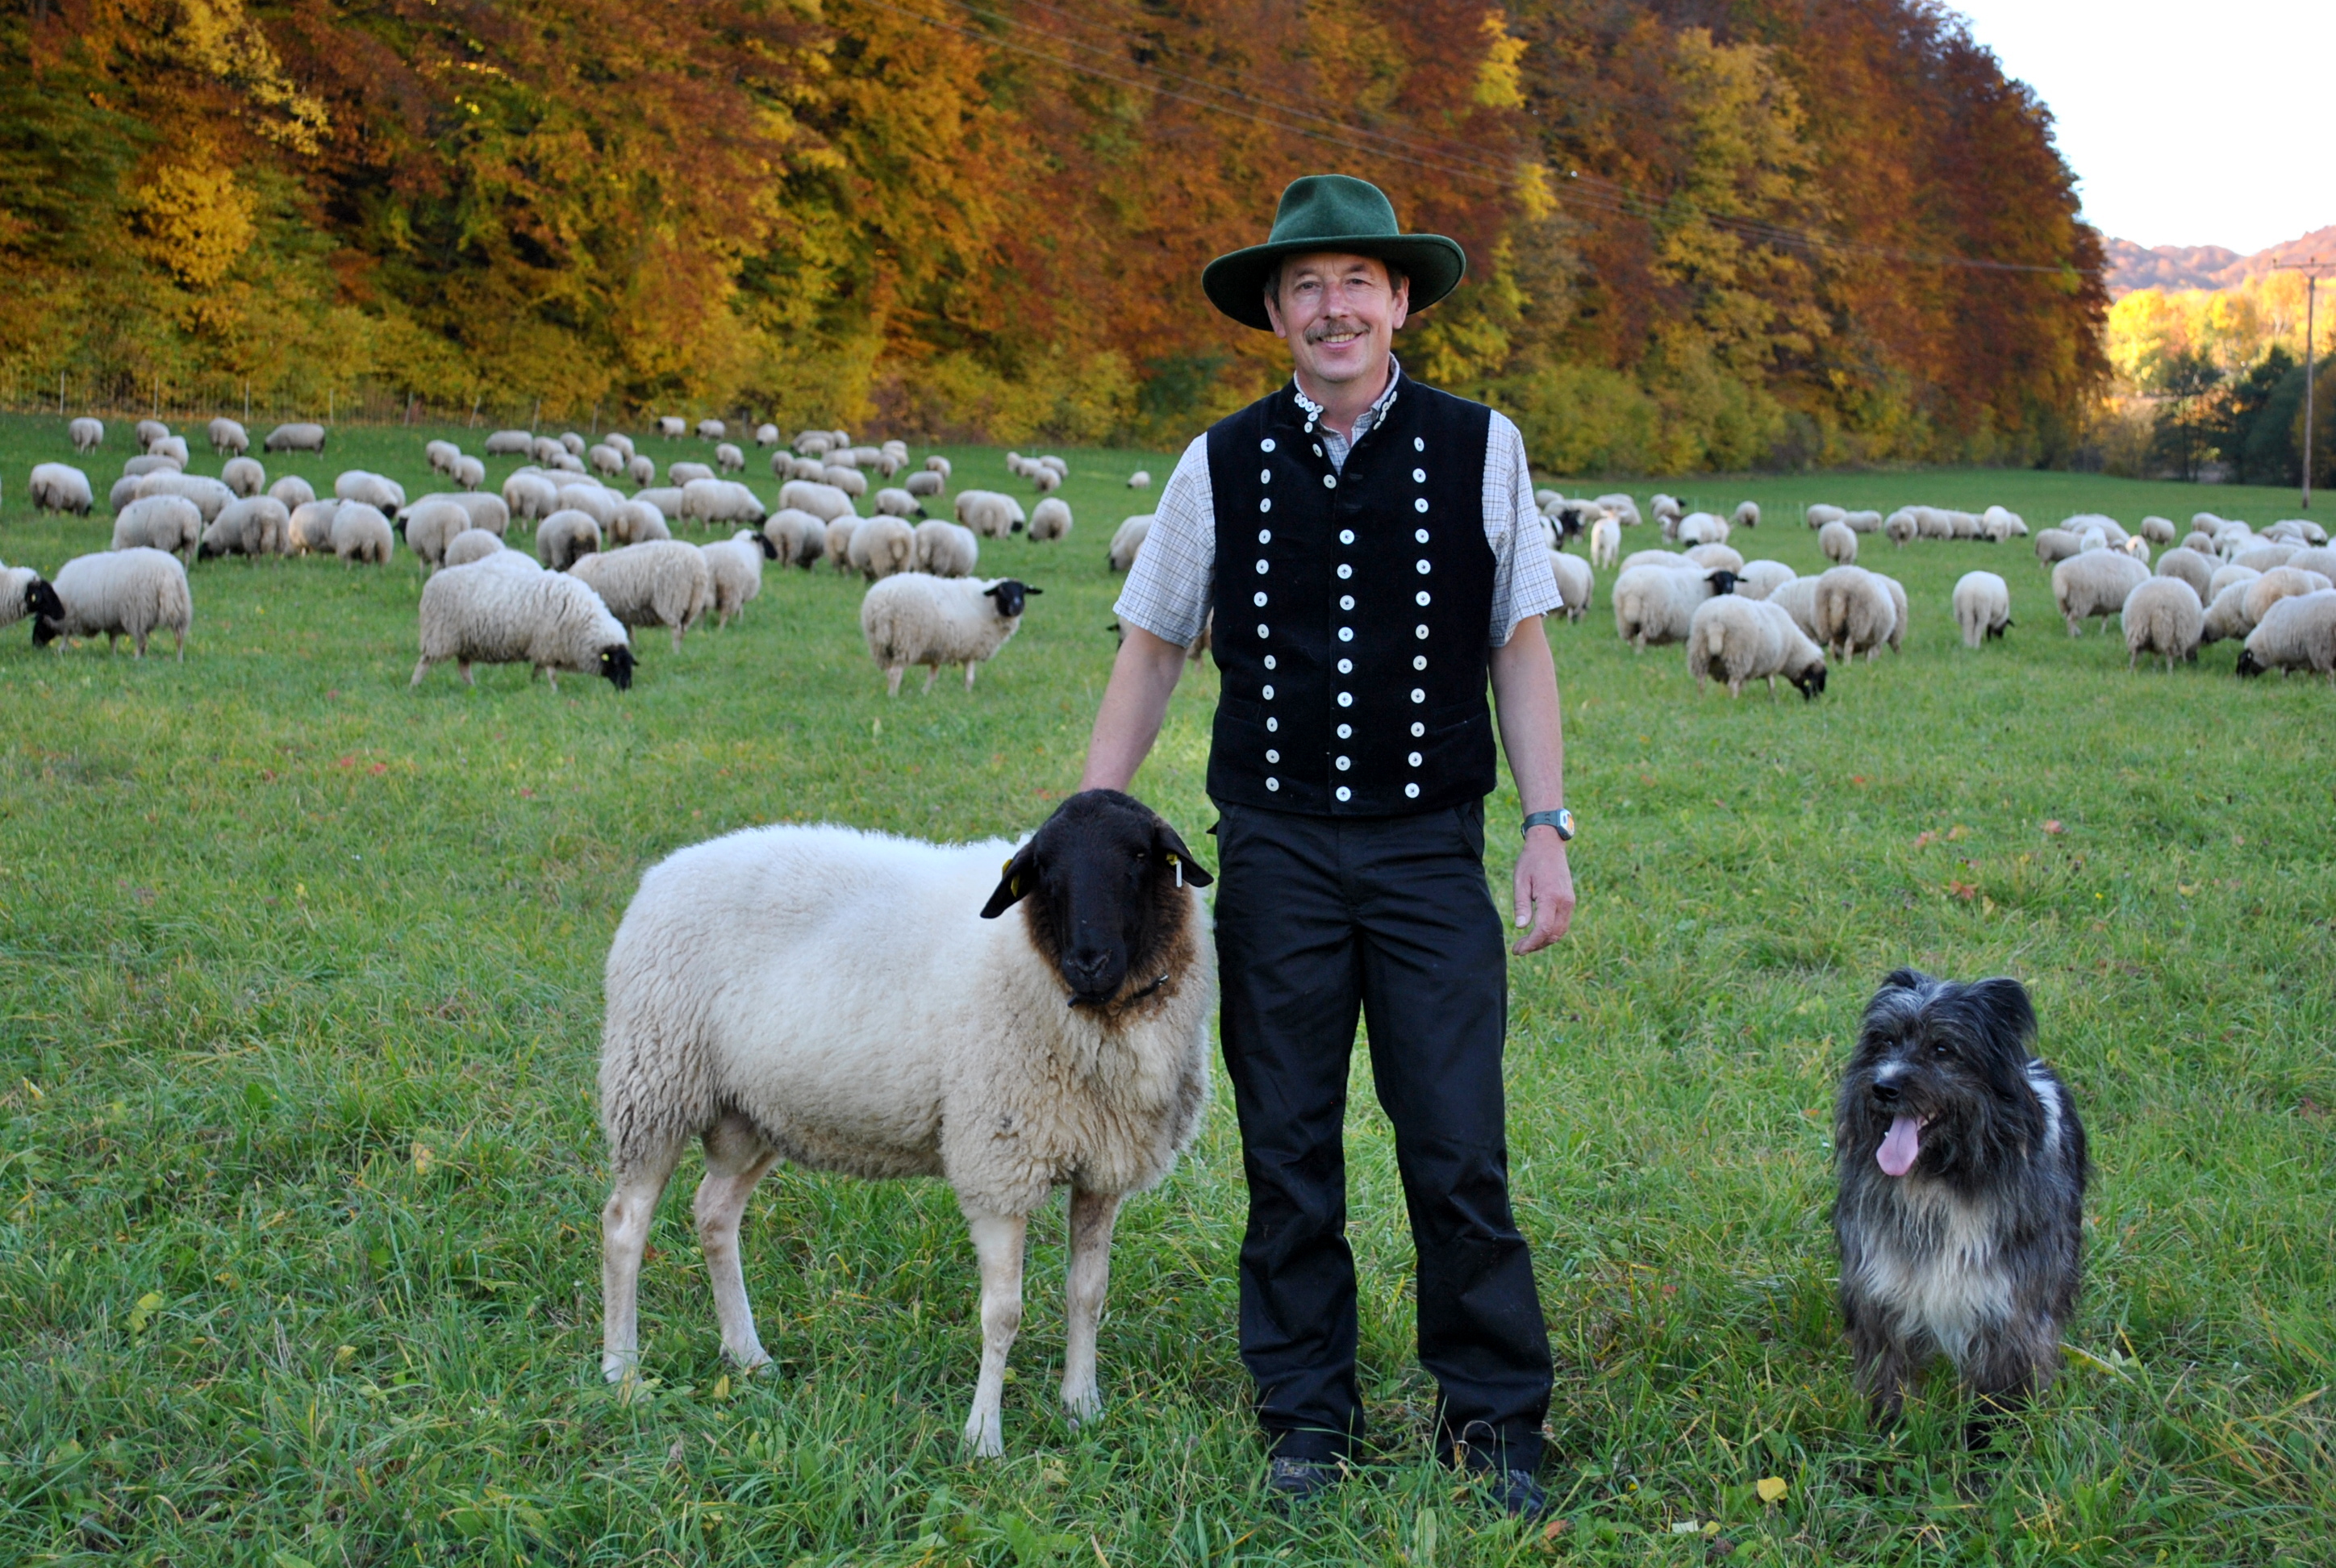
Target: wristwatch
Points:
(1561, 819)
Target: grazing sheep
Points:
(1669, 557)
(170, 523)
(564, 536)
(635, 522)
(1838, 543)
(430, 526)
(469, 473)
(766, 435)
(1046, 480)
(2054, 545)
(606, 461)
(504, 610)
(808, 469)
(838, 547)
(130, 593)
(296, 438)
(737, 1014)
(1140, 480)
(712, 429)
(2318, 557)
(594, 500)
(2204, 543)
(149, 431)
(2265, 557)
(24, 592)
(531, 495)
(1716, 557)
(988, 513)
(1657, 604)
(1822, 513)
(2190, 567)
(1701, 528)
(226, 435)
(914, 618)
(850, 481)
(244, 476)
(1575, 583)
(737, 564)
(1737, 640)
(1051, 520)
(640, 469)
(1855, 613)
(312, 526)
(2225, 576)
(384, 495)
(2227, 615)
(814, 443)
(1746, 514)
(664, 582)
(1900, 528)
(1982, 604)
(151, 463)
(947, 549)
(881, 546)
(2279, 583)
(924, 483)
(88, 435)
(823, 501)
(2095, 582)
(472, 544)
(2163, 617)
(1605, 541)
(896, 503)
(209, 496)
(293, 490)
(1797, 598)
(938, 464)
(2157, 530)
(1862, 522)
(721, 502)
(2296, 633)
(441, 455)
(729, 459)
(256, 525)
(173, 447)
(1621, 507)
(1761, 579)
(671, 426)
(798, 538)
(1127, 539)
(511, 444)
(57, 487)
(683, 473)
(362, 535)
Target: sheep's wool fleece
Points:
(504, 610)
(742, 977)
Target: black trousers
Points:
(1319, 918)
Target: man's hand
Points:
(1544, 891)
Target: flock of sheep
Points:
(604, 559)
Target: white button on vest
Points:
(1345, 568)
(1421, 563)
(1344, 763)
(1265, 445)
(1417, 445)
(1412, 790)
(1345, 601)
(1265, 476)
(1415, 758)
(1261, 569)
(1262, 633)
(1419, 474)
(1419, 661)
(1346, 667)
(1329, 482)
(1265, 536)
(1420, 505)
(1422, 597)
(1417, 728)
(1346, 699)
(1272, 725)
(1345, 536)
(1273, 783)
(1318, 445)
(1418, 695)
(1276, 757)
(1345, 793)
(1265, 503)
(1346, 732)
(1346, 633)
(1269, 661)
(1258, 600)
(1268, 693)
(1421, 536)
(1420, 631)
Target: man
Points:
(1369, 549)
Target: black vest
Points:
(1352, 611)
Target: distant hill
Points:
(2204, 266)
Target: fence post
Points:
(537, 417)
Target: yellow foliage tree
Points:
(193, 221)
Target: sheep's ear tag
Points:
(1175, 861)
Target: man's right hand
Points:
(1142, 678)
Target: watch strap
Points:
(1561, 819)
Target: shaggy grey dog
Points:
(1960, 1203)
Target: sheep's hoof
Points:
(984, 1443)
(1082, 1406)
(618, 1368)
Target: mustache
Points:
(1322, 329)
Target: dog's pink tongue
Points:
(1896, 1155)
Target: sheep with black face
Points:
(1064, 1045)
(915, 617)
(1960, 1201)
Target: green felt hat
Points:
(1333, 212)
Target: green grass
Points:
(300, 1178)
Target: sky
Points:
(2185, 124)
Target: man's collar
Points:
(1371, 416)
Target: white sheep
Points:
(2204, 543)
(737, 564)
(838, 545)
(924, 485)
(2054, 545)
(2163, 617)
(244, 475)
(59, 487)
(88, 435)
(362, 535)
(1900, 528)
(938, 464)
(915, 617)
(897, 502)
(440, 456)
(947, 549)
(1983, 606)
(1838, 543)
(531, 495)
(150, 430)
(472, 544)
(988, 513)
(712, 429)
(604, 461)
(1701, 528)
(1822, 512)
(822, 500)
(1855, 613)
(881, 546)
(1575, 583)
(664, 582)
(812, 443)
(209, 496)
(296, 438)
(2297, 633)
(2280, 582)
(637, 521)
(721, 502)
(383, 494)
(1140, 480)
(430, 526)
(2157, 530)
(564, 536)
(173, 447)
(2190, 567)
(505, 609)
(729, 459)
(571, 443)
(1759, 579)
(799, 538)
(2318, 557)
(256, 525)
(312, 526)
(293, 490)
(671, 426)
(595, 502)
(1605, 541)
(1999, 524)
(1797, 598)
(640, 469)
(766, 435)
(1622, 508)
(130, 593)
(469, 473)
(850, 481)
(22, 592)
(683, 473)
(1716, 557)
(151, 463)
(170, 523)
(1746, 514)
(1657, 604)
(1045, 480)
(1127, 539)
(2263, 557)
(1738, 640)
(227, 435)
(1050, 520)
(511, 444)
(735, 1014)
(2095, 582)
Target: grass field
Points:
(300, 1178)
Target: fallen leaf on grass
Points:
(2054, 826)
(1925, 837)
(423, 1159)
(1772, 1488)
(1554, 1528)
(1963, 891)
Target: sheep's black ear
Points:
(1013, 881)
(1172, 851)
(1030, 591)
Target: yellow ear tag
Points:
(1180, 870)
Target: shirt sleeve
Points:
(1168, 588)
(1524, 584)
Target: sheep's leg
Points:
(624, 1237)
(677, 630)
(735, 1159)
(1092, 1217)
(932, 674)
(970, 666)
(892, 674)
(998, 1240)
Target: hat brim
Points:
(1235, 283)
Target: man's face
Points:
(1339, 315)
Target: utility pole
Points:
(2310, 270)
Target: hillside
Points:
(2207, 267)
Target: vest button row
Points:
(1419, 475)
(1411, 790)
(1345, 568)
(1345, 793)
(1345, 536)
(1415, 759)
(1265, 445)
(1345, 601)
(1257, 598)
(1265, 536)
(1265, 503)
(1346, 699)
(1260, 568)
(1276, 757)
(1330, 481)
(1344, 763)
(1265, 476)
(1346, 633)
(1346, 667)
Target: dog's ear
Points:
(1018, 876)
(1906, 980)
(2001, 1006)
